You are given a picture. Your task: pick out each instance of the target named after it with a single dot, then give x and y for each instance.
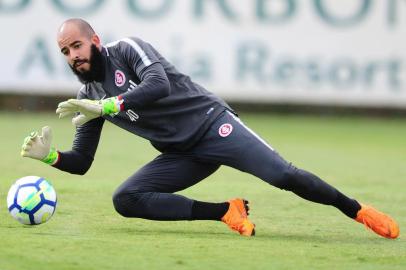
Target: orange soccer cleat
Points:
(237, 217)
(378, 222)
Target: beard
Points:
(96, 67)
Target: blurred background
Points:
(323, 81)
(346, 54)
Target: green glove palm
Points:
(88, 109)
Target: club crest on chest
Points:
(119, 78)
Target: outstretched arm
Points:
(76, 161)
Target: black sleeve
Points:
(154, 85)
(80, 158)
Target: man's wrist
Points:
(52, 157)
(112, 105)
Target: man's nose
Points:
(74, 56)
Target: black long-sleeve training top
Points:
(161, 104)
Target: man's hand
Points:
(86, 109)
(39, 147)
(89, 109)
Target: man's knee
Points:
(124, 203)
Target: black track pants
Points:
(149, 192)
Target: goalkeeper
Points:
(130, 84)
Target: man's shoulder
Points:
(125, 43)
(91, 90)
(131, 48)
(82, 93)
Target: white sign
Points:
(292, 51)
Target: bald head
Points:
(76, 38)
(78, 24)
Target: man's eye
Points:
(77, 46)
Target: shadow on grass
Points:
(164, 231)
(275, 237)
(324, 238)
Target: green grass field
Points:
(363, 157)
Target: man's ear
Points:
(96, 40)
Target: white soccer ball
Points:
(31, 200)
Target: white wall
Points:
(295, 51)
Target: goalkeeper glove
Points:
(89, 109)
(39, 147)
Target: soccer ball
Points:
(31, 200)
